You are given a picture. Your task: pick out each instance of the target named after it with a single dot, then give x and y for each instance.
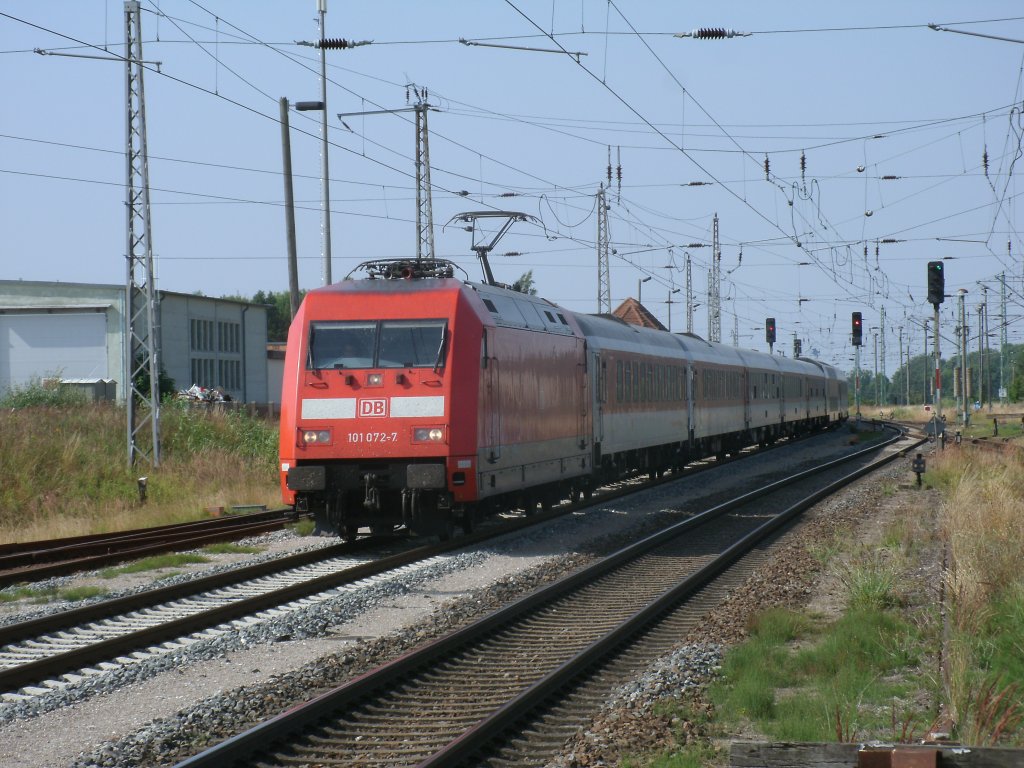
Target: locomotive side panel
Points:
(534, 427)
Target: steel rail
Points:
(73, 660)
(32, 551)
(257, 739)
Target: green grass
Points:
(303, 527)
(154, 563)
(841, 682)
(230, 548)
(37, 394)
(693, 756)
(65, 470)
(51, 594)
(870, 581)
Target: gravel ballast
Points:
(158, 711)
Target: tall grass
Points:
(983, 526)
(65, 472)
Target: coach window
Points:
(628, 383)
(636, 382)
(618, 381)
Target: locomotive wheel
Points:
(349, 533)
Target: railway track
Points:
(24, 562)
(35, 560)
(62, 649)
(460, 699)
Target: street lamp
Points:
(670, 303)
(640, 289)
(325, 194)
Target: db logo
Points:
(376, 408)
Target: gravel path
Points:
(153, 713)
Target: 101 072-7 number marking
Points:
(373, 437)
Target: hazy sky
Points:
(888, 144)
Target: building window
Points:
(228, 336)
(201, 335)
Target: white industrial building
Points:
(76, 332)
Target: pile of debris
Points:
(197, 394)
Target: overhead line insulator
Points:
(713, 33)
(339, 43)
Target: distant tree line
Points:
(886, 390)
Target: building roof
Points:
(48, 287)
(635, 313)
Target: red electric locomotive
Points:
(426, 402)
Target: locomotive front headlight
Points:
(315, 437)
(427, 434)
(374, 379)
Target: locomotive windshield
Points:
(381, 344)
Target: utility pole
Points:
(670, 303)
(140, 350)
(424, 191)
(963, 355)
(938, 384)
(289, 210)
(1002, 337)
(424, 196)
(988, 356)
(877, 405)
(907, 376)
(924, 366)
(856, 385)
(325, 179)
(884, 382)
(981, 353)
(604, 288)
(715, 288)
(689, 296)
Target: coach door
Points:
(745, 392)
(690, 395)
(491, 411)
(599, 393)
(582, 430)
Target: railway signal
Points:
(769, 330)
(936, 295)
(857, 329)
(936, 283)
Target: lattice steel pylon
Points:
(142, 403)
(715, 288)
(604, 281)
(424, 206)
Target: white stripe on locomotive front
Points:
(345, 407)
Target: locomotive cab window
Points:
(411, 344)
(387, 344)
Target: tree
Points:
(279, 312)
(164, 382)
(525, 284)
(1015, 392)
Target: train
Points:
(414, 398)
